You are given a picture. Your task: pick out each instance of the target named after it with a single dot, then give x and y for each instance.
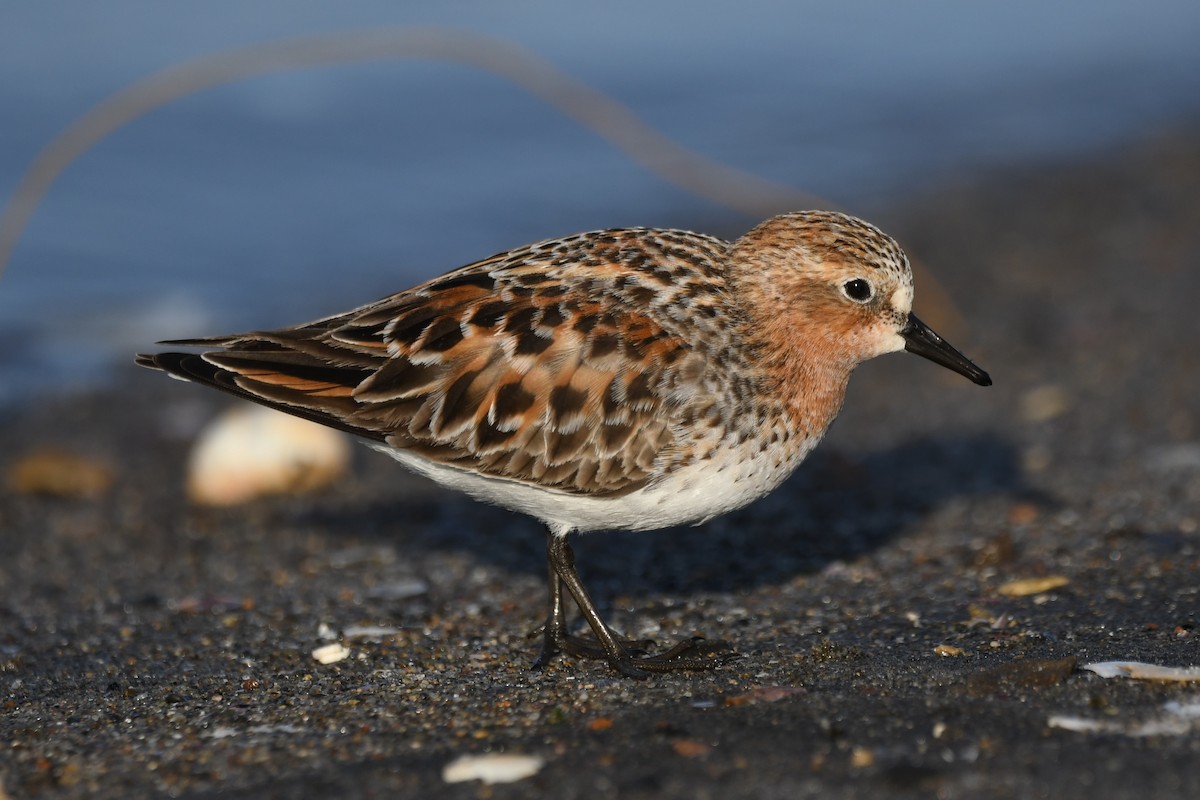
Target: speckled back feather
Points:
(581, 364)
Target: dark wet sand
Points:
(149, 648)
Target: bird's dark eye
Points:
(857, 290)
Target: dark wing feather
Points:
(527, 366)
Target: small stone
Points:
(997, 551)
(60, 474)
(372, 632)
(862, 757)
(1022, 513)
(978, 614)
(330, 653)
(690, 748)
(492, 768)
(763, 694)
(947, 651)
(1081, 724)
(1027, 586)
(401, 589)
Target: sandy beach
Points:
(913, 609)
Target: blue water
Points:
(283, 197)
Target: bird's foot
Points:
(632, 657)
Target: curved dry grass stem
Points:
(720, 183)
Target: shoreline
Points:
(150, 647)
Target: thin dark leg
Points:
(554, 632)
(563, 560)
(555, 636)
(624, 656)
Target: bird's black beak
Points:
(919, 338)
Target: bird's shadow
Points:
(835, 507)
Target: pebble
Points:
(369, 632)
(401, 589)
(690, 748)
(60, 474)
(492, 768)
(331, 653)
(1027, 586)
(252, 451)
(762, 694)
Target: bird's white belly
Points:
(698, 492)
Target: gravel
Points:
(912, 609)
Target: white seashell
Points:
(492, 768)
(1141, 671)
(253, 451)
(330, 653)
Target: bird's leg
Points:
(555, 636)
(554, 632)
(624, 656)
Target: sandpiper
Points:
(627, 379)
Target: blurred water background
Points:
(283, 197)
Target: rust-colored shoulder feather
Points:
(559, 364)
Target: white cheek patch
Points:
(882, 338)
(902, 299)
(895, 343)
